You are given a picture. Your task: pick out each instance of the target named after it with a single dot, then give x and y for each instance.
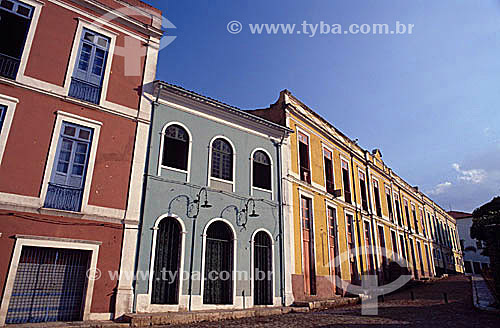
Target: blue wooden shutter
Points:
(72, 154)
(3, 110)
(92, 56)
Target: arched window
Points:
(261, 170)
(175, 148)
(263, 269)
(222, 160)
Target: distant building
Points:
(473, 260)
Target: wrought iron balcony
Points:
(84, 91)
(9, 66)
(63, 198)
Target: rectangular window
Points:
(376, 193)
(351, 246)
(328, 160)
(346, 181)
(398, 210)
(305, 171)
(332, 240)
(407, 214)
(422, 219)
(88, 72)
(362, 186)
(403, 246)
(415, 220)
(368, 248)
(394, 245)
(389, 203)
(381, 240)
(70, 166)
(3, 110)
(15, 17)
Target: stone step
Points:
(326, 304)
(171, 318)
(72, 324)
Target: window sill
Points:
(58, 212)
(262, 189)
(163, 167)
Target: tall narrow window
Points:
(222, 160)
(332, 241)
(398, 210)
(305, 170)
(368, 248)
(395, 252)
(415, 219)
(175, 148)
(381, 239)
(15, 20)
(407, 214)
(346, 182)
(308, 247)
(3, 110)
(88, 72)
(351, 246)
(389, 203)
(328, 160)
(403, 246)
(261, 170)
(376, 193)
(362, 187)
(70, 166)
(422, 220)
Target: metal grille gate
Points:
(218, 265)
(263, 269)
(49, 285)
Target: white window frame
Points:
(182, 301)
(398, 251)
(372, 239)
(356, 246)
(62, 243)
(324, 146)
(85, 24)
(210, 149)
(252, 268)
(37, 8)
(235, 266)
(56, 132)
(252, 188)
(332, 205)
(10, 103)
(342, 158)
(299, 130)
(303, 193)
(190, 145)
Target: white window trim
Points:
(302, 193)
(308, 152)
(252, 270)
(356, 247)
(332, 205)
(252, 188)
(56, 132)
(182, 301)
(203, 257)
(10, 103)
(54, 243)
(324, 146)
(209, 177)
(82, 23)
(367, 185)
(190, 145)
(342, 158)
(37, 8)
(395, 254)
(369, 247)
(380, 252)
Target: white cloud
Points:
(440, 188)
(473, 175)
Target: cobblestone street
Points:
(427, 310)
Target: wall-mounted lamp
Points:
(243, 214)
(193, 206)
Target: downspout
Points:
(280, 220)
(154, 103)
(356, 207)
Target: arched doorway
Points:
(263, 269)
(218, 282)
(167, 262)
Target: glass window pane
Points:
(7, 4)
(89, 37)
(62, 167)
(69, 131)
(84, 134)
(80, 158)
(64, 156)
(77, 169)
(24, 11)
(81, 148)
(67, 145)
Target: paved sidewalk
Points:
(483, 298)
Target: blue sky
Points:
(428, 100)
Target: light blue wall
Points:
(162, 189)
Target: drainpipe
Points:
(280, 220)
(357, 210)
(154, 103)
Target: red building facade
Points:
(73, 132)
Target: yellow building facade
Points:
(347, 214)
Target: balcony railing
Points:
(63, 198)
(84, 91)
(9, 66)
